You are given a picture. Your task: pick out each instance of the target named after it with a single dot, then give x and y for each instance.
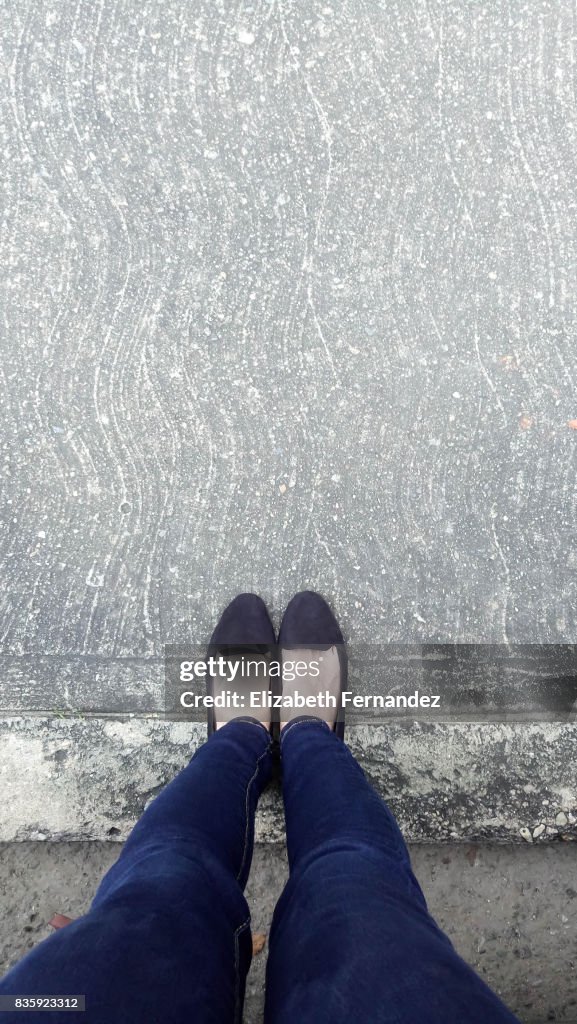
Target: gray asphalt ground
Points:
(510, 911)
(287, 299)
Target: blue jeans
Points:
(167, 939)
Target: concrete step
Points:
(90, 777)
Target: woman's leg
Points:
(352, 939)
(167, 938)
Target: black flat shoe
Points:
(244, 629)
(308, 623)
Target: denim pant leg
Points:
(352, 939)
(167, 938)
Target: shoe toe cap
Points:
(244, 621)
(308, 620)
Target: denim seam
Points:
(307, 721)
(250, 721)
(246, 808)
(237, 1006)
(145, 849)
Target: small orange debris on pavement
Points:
(258, 941)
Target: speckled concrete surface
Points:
(288, 298)
(511, 913)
